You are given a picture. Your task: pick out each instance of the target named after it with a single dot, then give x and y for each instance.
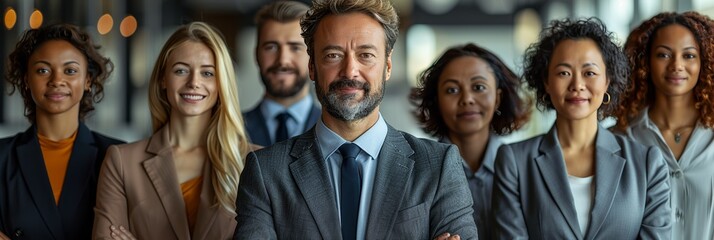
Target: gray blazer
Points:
(532, 197)
(419, 192)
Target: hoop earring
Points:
(498, 112)
(542, 99)
(609, 99)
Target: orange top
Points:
(191, 191)
(56, 156)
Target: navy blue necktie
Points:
(281, 134)
(350, 190)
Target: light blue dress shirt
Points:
(691, 177)
(370, 143)
(299, 113)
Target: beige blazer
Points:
(138, 188)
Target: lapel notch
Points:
(394, 170)
(609, 166)
(552, 168)
(310, 173)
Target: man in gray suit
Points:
(353, 176)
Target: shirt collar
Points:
(489, 156)
(370, 142)
(297, 111)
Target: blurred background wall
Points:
(131, 33)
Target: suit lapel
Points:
(162, 172)
(79, 172)
(312, 118)
(552, 168)
(33, 169)
(311, 175)
(608, 166)
(207, 210)
(394, 168)
(258, 129)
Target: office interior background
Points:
(132, 32)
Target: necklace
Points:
(677, 137)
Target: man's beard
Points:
(340, 106)
(290, 91)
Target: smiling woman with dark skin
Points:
(469, 97)
(579, 181)
(48, 174)
(669, 105)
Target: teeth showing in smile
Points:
(192, 97)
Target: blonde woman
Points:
(181, 182)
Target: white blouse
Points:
(691, 178)
(582, 190)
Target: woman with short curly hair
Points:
(579, 180)
(668, 104)
(48, 174)
(469, 97)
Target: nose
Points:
(576, 83)
(466, 98)
(284, 56)
(350, 68)
(677, 64)
(56, 80)
(193, 80)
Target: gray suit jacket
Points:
(532, 197)
(419, 192)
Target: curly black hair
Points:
(640, 92)
(515, 110)
(98, 68)
(537, 58)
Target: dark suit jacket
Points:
(257, 130)
(532, 197)
(419, 192)
(27, 205)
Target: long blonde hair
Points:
(227, 141)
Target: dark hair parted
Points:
(538, 55)
(640, 92)
(381, 10)
(98, 68)
(515, 110)
(280, 11)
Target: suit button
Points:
(18, 232)
(678, 174)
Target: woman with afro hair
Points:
(668, 104)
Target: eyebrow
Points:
(339, 48)
(587, 64)
(670, 49)
(292, 43)
(474, 78)
(65, 64)
(183, 63)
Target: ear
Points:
(388, 70)
(498, 98)
(311, 69)
(88, 84)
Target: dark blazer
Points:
(27, 205)
(419, 192)
(532, 197)
(257, 130)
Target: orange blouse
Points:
(56, 156)
(191, 191)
